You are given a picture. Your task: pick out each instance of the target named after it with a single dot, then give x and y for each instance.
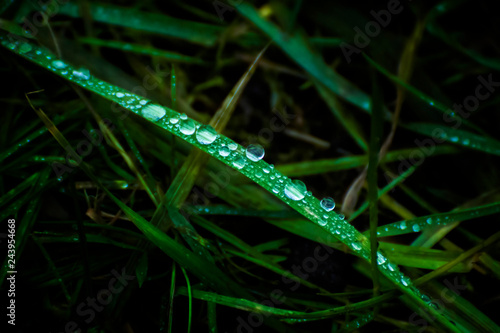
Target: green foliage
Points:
(152, 140)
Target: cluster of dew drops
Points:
(244, 160)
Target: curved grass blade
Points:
(195, 32)
(350, 162)
(462, 138)
(206, 139)
(296, 45)
(430, 221)
(140, 49)
(246, 305)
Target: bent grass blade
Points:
(205, 138)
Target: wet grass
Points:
(137, 140)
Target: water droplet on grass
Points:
(59, 64)
(82, 74)
(25, 48)
(403, 225)
(187, 126)
(153, 112)
(356, 246)
(119, 95)
(232, 146)
(416, 228)
(381, 259)
(239, 162)
(184, 116)
(405, 281)
(322, 222)
(327, 204)
(255, 152)
(295, 190)
(224, 151)
(206, 135)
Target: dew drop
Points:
(153, 112)
(327, 204)
(174, 120)
(454, 139)
(429, 220)
(187, 126)
(295, 190)
(206, 134)
(233, 146)
(266, 170)
(82, 74)
(184, 117)
(239, 162)
(255, 152)
(322, 222)
(224, 151)
(381, 259)
(119, 95)
(59, 64)
(405, 281)
(403, 225)
(25, 48)
(416, 228)
(356, 246)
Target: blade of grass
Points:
(377, 120)
(310, 207)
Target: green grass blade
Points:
(287, 191)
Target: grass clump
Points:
(122, 157)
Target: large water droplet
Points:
(255, 152)
(405, 281)
(239, 162)
(59, 64)
(82, 74)
(224, 151)
(119, 95)
(416, 228)
(327, 204)
(381, 259)
(187, 126)
(295, 190)
(153, 112)
(356, 246)
(25, 48)
(206, 134)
